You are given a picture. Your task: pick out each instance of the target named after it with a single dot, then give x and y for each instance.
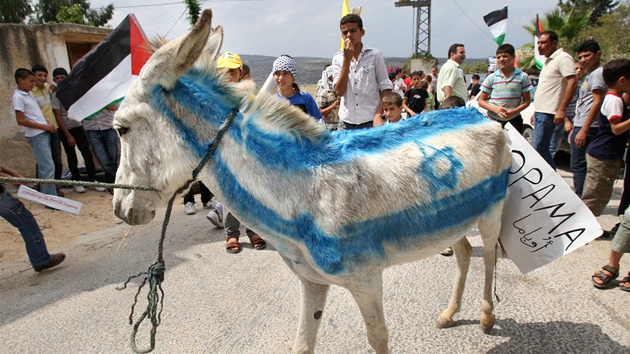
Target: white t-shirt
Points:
(25, 102)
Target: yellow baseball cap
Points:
(229, 60)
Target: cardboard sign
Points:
(63, 204)
(543, 218)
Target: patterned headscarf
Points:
(285, 63)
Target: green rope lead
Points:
(155, 273)
(74, 183)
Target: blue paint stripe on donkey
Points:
(357, 242)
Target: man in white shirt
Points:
(450, 80)
(360, 78)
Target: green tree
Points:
(47, 11)
(194, 9)
(72, 14)
(568, 26)
(14, 11)
(611, 32)
(595, 8)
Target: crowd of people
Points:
(579, 99)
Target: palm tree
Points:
(566, 24)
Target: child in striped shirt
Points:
(506, 92)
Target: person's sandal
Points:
(257, 242)
(625, 280)
(232, 246)
(605, 278)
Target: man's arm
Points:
(63, 128)
(593, 113)
(21, 120)
(561, 113)
(448, 91)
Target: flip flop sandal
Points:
(258, 242)
(232, 246)
(625, 280)
(606, 279)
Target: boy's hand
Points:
(348, 48)
(580, 138)
(501, 111)
(51, 128)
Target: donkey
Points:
(339, 207)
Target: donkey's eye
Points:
(122, 130)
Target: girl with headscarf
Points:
(284, 74)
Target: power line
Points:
(471, 20)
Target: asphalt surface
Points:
(249, 303)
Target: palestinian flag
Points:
(538, 58)
(497, 21)
(103, 76)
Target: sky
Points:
(310, 28)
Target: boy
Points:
(474, 87)
(585, 123)
(506, 92)
(73, 134)
(604, 155)
(610, 141)
(415, 100)
(359, 77)
(392, 107)
(36, 129)
(41, 93)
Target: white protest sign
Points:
(63, 204)
(543, 219)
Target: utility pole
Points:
(422, 25)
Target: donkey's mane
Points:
(278, 114)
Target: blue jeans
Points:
(14, 211)
(543, 132)
(578, 159)
(40, 144)
(556, 139)
(105, 146)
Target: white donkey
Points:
(338, 207)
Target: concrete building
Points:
(22, 46)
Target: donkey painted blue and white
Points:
(338, 207)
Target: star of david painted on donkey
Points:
(339, 207)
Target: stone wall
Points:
(22, 47)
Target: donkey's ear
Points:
(172, 60)
(214, 43)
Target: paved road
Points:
(248, 303)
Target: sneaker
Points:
(216, 216)
(79, 189)
(190, 208)
(55, 261)
(99, 188)
(447, 252)
(209, 205)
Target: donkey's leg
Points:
(489, 227)
(369, 297)
(313, 300)
(463, 251)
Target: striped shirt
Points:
(509, 90)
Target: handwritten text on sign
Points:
(543, 219)
(64, 204)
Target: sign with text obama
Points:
(543, 219)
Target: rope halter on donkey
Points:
(155, 274)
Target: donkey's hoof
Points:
(442, 322)
(486, 327)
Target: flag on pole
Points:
(345, 9)
(497, 21)
(539, 59)
(103, 76)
